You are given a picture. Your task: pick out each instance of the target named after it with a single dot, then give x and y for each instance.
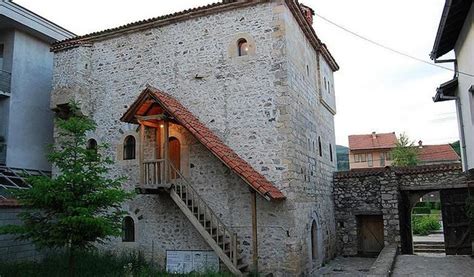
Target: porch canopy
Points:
(153, 105)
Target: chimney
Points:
(308, 13)
(374, 135)
(420, 144)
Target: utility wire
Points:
(389, 48)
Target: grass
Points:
(424, 224)
(91, 264)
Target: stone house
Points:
(222, 118)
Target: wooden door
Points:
(175, 155)
(456, 223)
(371, 240)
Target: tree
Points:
(457, 147)
(80, 205)
(404, 153)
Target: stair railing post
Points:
(234, 249)
(166, 150)
(140, 157)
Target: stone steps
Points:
(428, 247)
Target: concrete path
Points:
(437, 237)
(350, 266)
(450, 266)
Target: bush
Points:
(421, 210)
(91, 264)
(424, 224)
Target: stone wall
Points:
(265, 106)
(10, 248)
(379, 192)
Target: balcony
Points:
(5, 78)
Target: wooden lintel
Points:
(149, 124)
(151, 117)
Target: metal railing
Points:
(5, 81)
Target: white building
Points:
(26, 70)
(456, 33)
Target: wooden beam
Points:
(254, 231)
(151, 117)
(141, 154)
(166, 130)
(149, 124)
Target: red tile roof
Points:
(222, 6)
(437, 153)
(364, 142)
(212, 142)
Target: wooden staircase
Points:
(220, 238)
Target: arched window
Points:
(92, 145)
(129, 148)
(128, 229)
(314, 241)
(319, 147)
(242, 47)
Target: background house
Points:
(373, 150)
(456, 32)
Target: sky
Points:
(376, 90)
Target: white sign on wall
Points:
(186, 261)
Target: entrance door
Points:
(457, 232)
(370, 235)
(175, 156)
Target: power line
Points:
(389, 48)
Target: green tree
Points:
(404, 153)
(457, 147)
(77, 207)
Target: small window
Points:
(92, 145)
(329, 88)
(129, 148)
(330, 152)
(388, 156)
(357, 158)
(307, 70)
(382, 159)
(363, 158)
(370, 160)
(314, 241)
(243, 47)
(128, 229)
(319, 147)
(325, 84)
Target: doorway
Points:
(175, 156)
(371, 238)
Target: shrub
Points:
(421, 210)
(424, 224)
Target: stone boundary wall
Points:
(11, 249)
(377, 191)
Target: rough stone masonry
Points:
(274, 107)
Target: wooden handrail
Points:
(204, 208)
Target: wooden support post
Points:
(166, 150)
(141, 154)
(254, 231)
